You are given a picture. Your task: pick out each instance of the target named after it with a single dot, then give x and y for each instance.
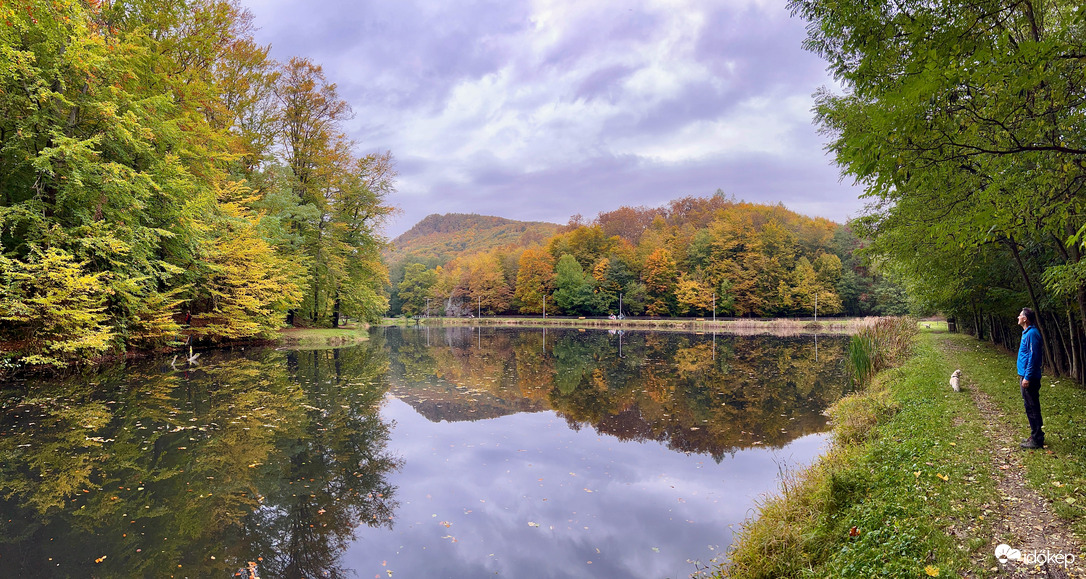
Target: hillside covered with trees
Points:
(162, 180)
(439, 238)
(681, 259)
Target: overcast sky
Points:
(542, 109)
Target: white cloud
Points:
(487, 96)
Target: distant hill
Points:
(439, 238)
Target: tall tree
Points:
(965, 121)
(574, 289)
(535, 280)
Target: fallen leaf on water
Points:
(100, 559)
(533, 524)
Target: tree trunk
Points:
(1074, 347)
(1032, 298)
(1061, 359)
(976, 322)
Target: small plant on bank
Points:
(861, 360)
(885, 343)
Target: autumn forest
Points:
(694, 256)
(166, 183)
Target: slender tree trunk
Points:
(1061, 362)
(1032, 298)
(976, 322)
(1074, 346)
(1074, 256)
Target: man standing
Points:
(1030, 362)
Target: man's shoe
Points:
(1030, 443)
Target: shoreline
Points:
(769, 326)
(924, 481)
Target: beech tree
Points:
(535, 280)
(140, 179)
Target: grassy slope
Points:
(909, 520)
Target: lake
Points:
(447, 452)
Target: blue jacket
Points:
(1031, 354)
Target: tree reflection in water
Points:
(698, 393)
(280, 457)
(147, 471)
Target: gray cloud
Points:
(545, 108)
(607, 508)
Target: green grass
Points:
(1059, 474)
(932, 325)
(912, 476)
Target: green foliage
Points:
(137, 140)
(574, 289)
(964, 123)
(415, 289)
(52, 308)
(855, 416)
(886, 343)
(861, 359)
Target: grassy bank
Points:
(1058, 473)
(909, 487)
(732, 326)
(900, 494)
(323, 337)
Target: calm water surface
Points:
(423, 453)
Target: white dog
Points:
(955, 379)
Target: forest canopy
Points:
(163, 181)
(691, 257)
(965, 121)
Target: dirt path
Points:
(1020, 512)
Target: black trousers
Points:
(1031, 398)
